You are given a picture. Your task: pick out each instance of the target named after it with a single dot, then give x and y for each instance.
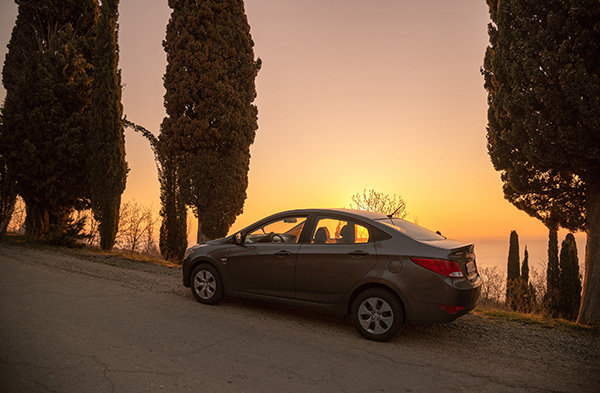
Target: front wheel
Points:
(207, 285)
(377, 314)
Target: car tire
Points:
(206, 283)
(377, 314)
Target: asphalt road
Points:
(72, 322)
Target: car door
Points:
(264, 264)
(340, 252)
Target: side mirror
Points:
(237, 239)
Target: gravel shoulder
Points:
(483, 354)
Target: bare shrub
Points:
(149, 243)
(542, 300)
(136, 228)
(373, 201)
(494, 287)
(523, 296)
(531, 298)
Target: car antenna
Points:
(390, 216)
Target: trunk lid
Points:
(461, 252)
(465, 256)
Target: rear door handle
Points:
(358, 254)
(283, 253)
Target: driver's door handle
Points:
(283, 253)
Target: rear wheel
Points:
(207, 285)
(377, 314)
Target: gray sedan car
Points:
(383, 271)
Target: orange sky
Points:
(352, 95)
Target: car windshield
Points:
(411, 230)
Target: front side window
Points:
(283, 230)
(336, 231)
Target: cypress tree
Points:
(211, 120)
(542, 75)
(569, 281)
(107, 169)
(525, 267)
(552, 272)
(526, 291)
(47, 79)
(513, 270)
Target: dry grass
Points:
(534, 312)
(12, 238)
(532, 319)
(141, 257)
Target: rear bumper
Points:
(461, 293)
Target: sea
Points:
(493, 251)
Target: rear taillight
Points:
(441, 266)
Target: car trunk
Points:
(465, 256)
(462, 253)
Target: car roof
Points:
(359, 213)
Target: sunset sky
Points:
(352, 95)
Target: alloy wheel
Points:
(375, 315)
(205, 284)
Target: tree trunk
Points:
(37, 221)
(589, 312)
(108, 225)
(201, 237)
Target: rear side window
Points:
(336, 231)
(411, 230)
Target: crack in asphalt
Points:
(105, 367)
(205, 347)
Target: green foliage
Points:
(66, 232)
(379, 202)
(569, 281)
(513, 269)
(542, 74)
(557, 200)
(211, 121)
(47, 81)
(107, 169)
(552, 272)
(525, 267)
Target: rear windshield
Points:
(411, 230)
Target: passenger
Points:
(347, 234)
